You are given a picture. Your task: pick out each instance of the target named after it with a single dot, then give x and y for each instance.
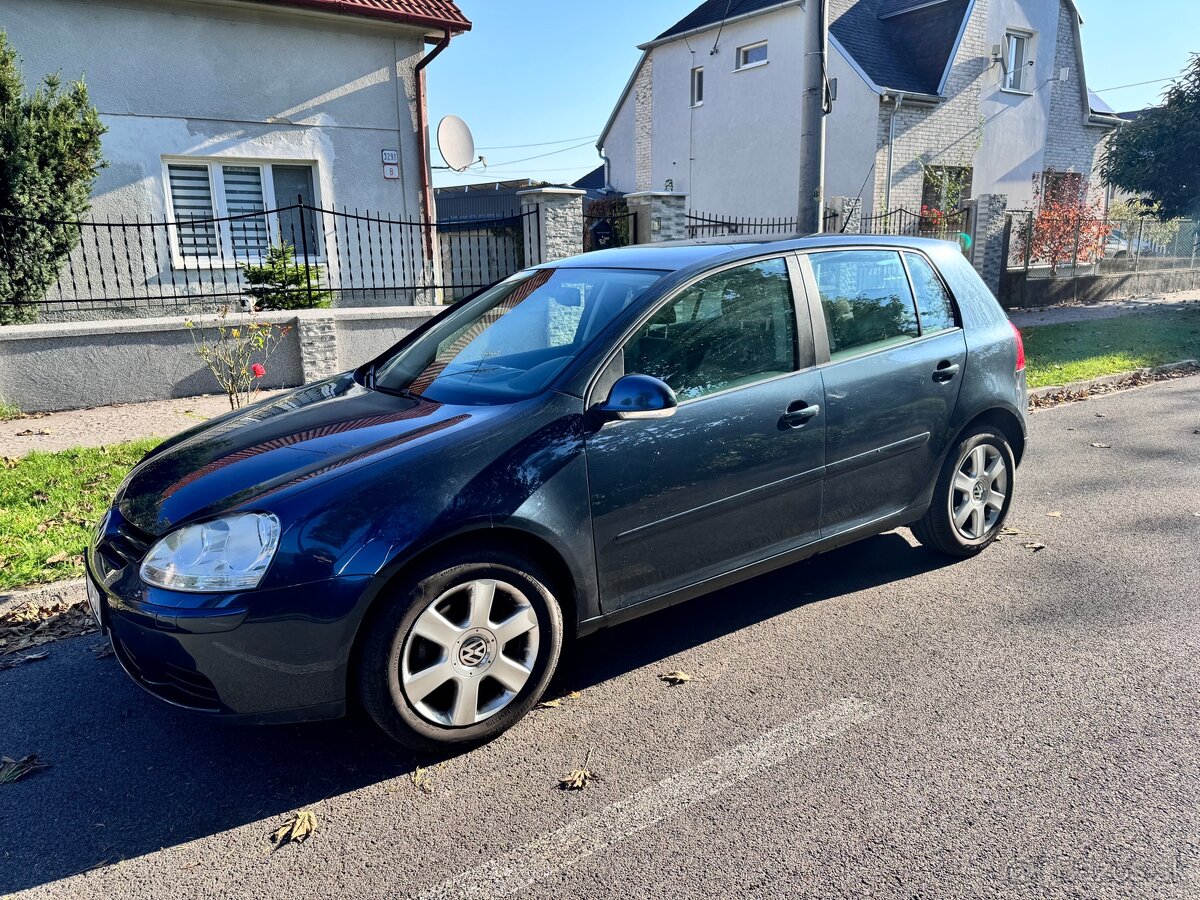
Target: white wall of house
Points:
(1015, 136)
(850, 131)
(232, 81)
(736, 153)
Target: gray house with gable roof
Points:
(984, 94)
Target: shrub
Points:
(237, 353)
(279, 282)
(49, 159)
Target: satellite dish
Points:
(455, 143)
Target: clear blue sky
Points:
(536, 71)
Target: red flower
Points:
(258, 370)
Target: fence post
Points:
(988, 246)
(556, 232)
(304, 245)
(660, 215)
(1137, 258)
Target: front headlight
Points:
(227, 554)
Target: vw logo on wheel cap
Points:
(472, 652)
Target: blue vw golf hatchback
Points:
(587, 441)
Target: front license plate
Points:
(95, 602)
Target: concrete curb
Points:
(69, 591)
(1076, 389)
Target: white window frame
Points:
(697, 97)
(1024, 70)
(740, 66)
(216, 185)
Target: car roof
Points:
(671, 256)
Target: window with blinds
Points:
(243, 197)
(192, 201)
(230, 212)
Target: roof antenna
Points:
(714, 51)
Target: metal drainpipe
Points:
(898, 97)
(427, 207)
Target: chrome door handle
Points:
(797, 414)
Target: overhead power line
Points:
(1121, 87)
(582, 137)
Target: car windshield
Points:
(510, 341)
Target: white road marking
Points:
(553, 852)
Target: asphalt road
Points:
(869, 722)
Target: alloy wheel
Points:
(979, 492)
(469, 653)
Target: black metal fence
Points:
(927, 223)
(707, 225)
(1070, 243)
(298, 256)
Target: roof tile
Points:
(441, 14)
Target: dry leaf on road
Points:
(15, 769)
(421, 780)
(1035, 546)
(29, 432)
(676, 677)
(550, 704)
(1054, 515)
(1100, 446)
(9, 661)
(297, 829)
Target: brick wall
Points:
(945, 135)
(1072, 145)
(643, 121)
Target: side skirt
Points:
(744, 573)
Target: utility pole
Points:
(811, 210)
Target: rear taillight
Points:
(1020, 348)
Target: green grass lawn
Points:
(1076, 351)
(49, 503)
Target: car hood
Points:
(289, 442)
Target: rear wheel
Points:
(461, 651)
(972, 496)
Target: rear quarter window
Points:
(934, 307)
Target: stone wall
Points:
(661, 215)
(988, 214)
(556, 232)
(643, 121)
(944, 135)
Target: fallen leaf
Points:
(40, 497)
(1011, 532)
(576, 780)
(1035, 546)
(102, 651)
(1054, 515)
(550, 704)
(9, 661)
(1100, 446)
(58, 558)
(676, 677)
(297, 829)
(29, 432)
(421, 780)
(15, 769)
(11, 462)
(1101, 415)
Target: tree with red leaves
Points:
(1067, 226)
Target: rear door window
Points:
(933, 300)
(866, 300)
(734, 328)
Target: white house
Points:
(220, 108)
(983, 93)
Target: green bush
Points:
(279, 282)
(49, 159)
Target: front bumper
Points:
(272, 655)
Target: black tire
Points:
(937, 529)
(390, 627)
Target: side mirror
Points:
(638, 397)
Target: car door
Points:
(891, 376)
(735, 474)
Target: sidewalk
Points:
(1055, 315)
(108, 424)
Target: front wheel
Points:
(461, 651)
(972, 496)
